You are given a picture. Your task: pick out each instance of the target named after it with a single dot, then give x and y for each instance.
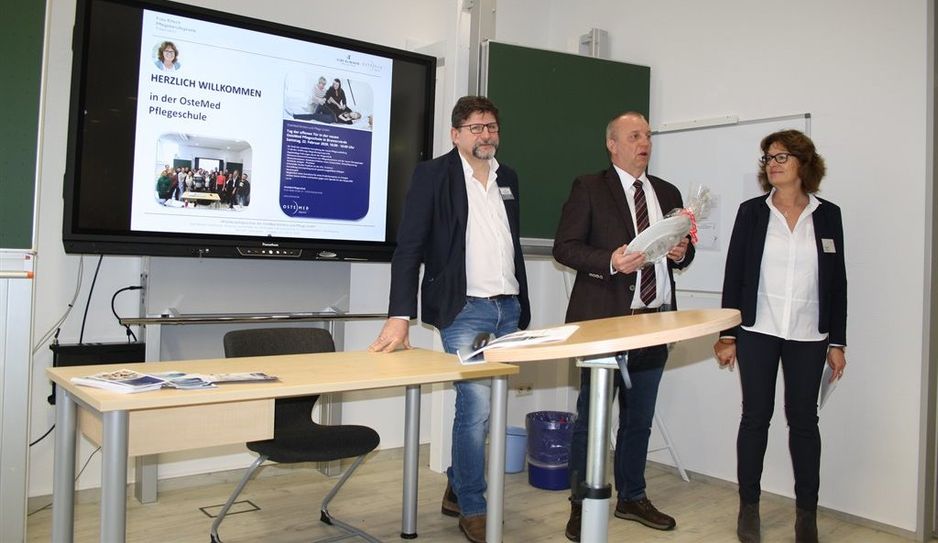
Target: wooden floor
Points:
(288, 501)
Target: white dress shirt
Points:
(660, 267)
(787, 304)
(490, 254)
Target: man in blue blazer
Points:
(461, 222)
(600, 218)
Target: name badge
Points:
(828, 245)
(506, 193)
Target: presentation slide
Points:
(245, 133)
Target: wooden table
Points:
(330, 406)
(595, 345)
(204, 197)
(173, 420)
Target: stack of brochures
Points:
(128, 381)
(121, 381)
(520, 338)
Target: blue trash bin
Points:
(516, 440)
(549, 435)
(548, 477)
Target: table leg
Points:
(63, 471)
(595, 523)
(114, 477)
(411, 451)
(496, 479)
(146, 468)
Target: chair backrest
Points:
(274, 341)
(277, 341)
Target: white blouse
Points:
(787, 304)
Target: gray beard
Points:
(482, 155)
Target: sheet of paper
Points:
(827, 387)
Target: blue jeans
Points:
(497, 316)
(636, 415)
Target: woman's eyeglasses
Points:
(781, 158)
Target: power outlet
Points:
(524, 390)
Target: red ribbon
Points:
(693, 223)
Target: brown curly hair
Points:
(811, 165)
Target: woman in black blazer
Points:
(785, 272)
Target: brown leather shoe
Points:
(748, 524)
(450, 505)
(473, 527)
(644, 512)
(576, 519)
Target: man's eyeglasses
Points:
(781, 158)
(477, 128)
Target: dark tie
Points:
(648, 288)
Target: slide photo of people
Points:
(328, 99)
(202, 173)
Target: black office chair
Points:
(296, 437)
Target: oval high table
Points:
(595, 345)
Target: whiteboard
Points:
(725, 160)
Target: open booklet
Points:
(128, 381)
(520, 338)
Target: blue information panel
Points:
(325, 171)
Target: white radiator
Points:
(16, 294)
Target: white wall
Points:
(859, 67)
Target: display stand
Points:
(330, 405)
(594, 345)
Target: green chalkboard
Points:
(21, 34)
(553, 109)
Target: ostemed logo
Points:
(292, 208)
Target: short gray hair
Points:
(610, 126)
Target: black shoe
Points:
(573, 525)
(450, 506)
(748, 524)
(644, 512)
(805, 526)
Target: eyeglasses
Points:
(477, 128)
(781, 158)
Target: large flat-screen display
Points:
(199, 133)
